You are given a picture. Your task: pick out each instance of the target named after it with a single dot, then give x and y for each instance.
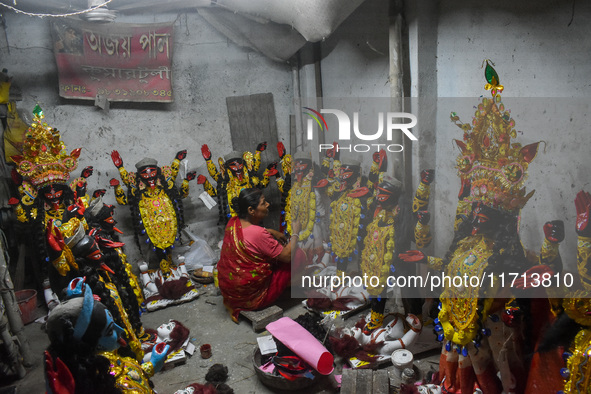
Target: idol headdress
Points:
(491, 164)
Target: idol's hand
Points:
(55, 239)
(511, 316)
(180, 155)
(98, 193)
(191, 175)
(427, 176)
(272, 169)
(381, 159)
(81, 188)
(423, 217)
(58, 376)
(159, 355)
(87, 172)
(554, 231)
(583, 206)
(281, 149)
(117, 160)
(205, 152)
(77, 209)
(333, 153)
(533, 277)
(262, 146)
(413, 256)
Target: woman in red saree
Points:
(254, 267)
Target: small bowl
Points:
(278, 381)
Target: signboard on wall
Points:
(120, 62)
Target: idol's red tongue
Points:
(107, 268)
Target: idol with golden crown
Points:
(47, 194)
(479, 327)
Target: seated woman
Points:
(254, 267)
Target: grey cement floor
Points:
(232, 345)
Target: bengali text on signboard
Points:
(121, 62)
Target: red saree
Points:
(248, 281)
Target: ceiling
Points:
(277, 29)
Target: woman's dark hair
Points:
(249, 197)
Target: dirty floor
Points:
(232, 345)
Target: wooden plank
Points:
(381, 382)
(260, 319)
(364, 381)
(252, 121)
(349, 382)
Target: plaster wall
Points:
(543, 58)
(207, 68)
(353, 66)
(355, 61)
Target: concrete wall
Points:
(542, 55)
(354, 68)
(207, 68)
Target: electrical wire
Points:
(55, 15)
